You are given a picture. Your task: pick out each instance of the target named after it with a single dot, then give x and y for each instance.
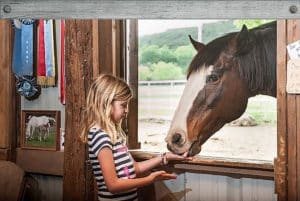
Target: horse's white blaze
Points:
(194, 84)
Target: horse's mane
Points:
(256, 61)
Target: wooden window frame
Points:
(237, 168)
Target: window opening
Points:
(164, 56)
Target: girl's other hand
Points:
(161, 175)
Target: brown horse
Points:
(221, 77)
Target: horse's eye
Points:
(212, 78)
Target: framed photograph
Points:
(40, 129)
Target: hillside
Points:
(171, 38)
(174, 38)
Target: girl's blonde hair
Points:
(103, 91)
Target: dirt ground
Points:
(256, 142)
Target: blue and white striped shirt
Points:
(97, 140)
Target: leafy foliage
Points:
(184, 55)
(250, 23)
(149, 54)
(166, 71)
(144, 73)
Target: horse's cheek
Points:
(191, 128)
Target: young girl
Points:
(115, 170)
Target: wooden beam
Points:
(95, 48)
(236, 168)
(7, 92)
(132, 69)
(105, 47)
(280, 163)
(166, 9)
(79, 73)
(292, 36)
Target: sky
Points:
(147, 27)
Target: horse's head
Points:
(215, 92)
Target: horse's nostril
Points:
(176, 138)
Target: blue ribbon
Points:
(23, 60)
(23, 50)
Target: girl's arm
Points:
(147, 165)
(117, 185)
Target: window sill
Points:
(237, 168)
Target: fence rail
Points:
(162, 82)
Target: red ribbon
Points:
(62, 62)
(41, 69)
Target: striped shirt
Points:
(97, 140)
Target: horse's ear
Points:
(197, 45)
(244, 34)
(243, 41)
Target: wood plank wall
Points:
(7, 94)
(109, 55)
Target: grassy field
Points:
(50, 142)
(161, 101)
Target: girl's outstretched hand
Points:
(174, 157)
(161, 175)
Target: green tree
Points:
(167, 55)
(144, 73)
(154, 54)
(149, 54)
(184, 55)
(166, 71)
(250, 23)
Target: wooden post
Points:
(7, 94)
(293, 123)
(133, 82)
(78, 180)
(281, 160)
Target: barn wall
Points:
(49, 98)
(205, 187)
(188, 186)
(46, 188)
(49, 187)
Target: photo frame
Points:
(40, 129)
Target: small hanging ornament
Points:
(26, 86)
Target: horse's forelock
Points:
(210, 53)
